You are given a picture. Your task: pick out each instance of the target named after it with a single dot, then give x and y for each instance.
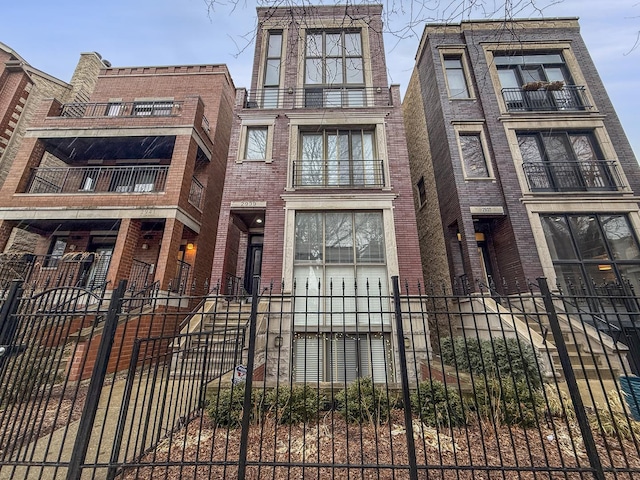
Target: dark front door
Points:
(254, 261)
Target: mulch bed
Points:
(330, 448)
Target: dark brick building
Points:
(517, 156)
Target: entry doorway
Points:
(254, 260)
(485, 259)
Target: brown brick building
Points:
(317, 191)
(517, 156)
(126, 180)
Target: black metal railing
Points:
(328, 381)
(568, 98)
(180, 283)
(576, 176)
(196, 193)
(140, 276)
(318, 97)
(338, 173)
(91, 180)
(157, 108)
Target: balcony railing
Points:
(338, 174)
(593, 175)
(568, 98)
(91, 180)
(121, 109)
(318, 97)
(196, 193)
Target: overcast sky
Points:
(50, 35)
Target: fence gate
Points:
(47, 345)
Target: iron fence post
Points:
(572, 384)
(246, 406)
(404, 378)
(95, 386)
(8, 322)
(122, 419)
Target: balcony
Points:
(121, 109)
(92, 180)
(588, 176)
(318, 97)
(338, 174)
(568, 98)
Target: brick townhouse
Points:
(122, 178)
(518, 158)
(317, 192)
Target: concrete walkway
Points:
(177, 397)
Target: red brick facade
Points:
(138, 184)
(265, 191)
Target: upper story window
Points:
(538, 81)
(256, 144)
(338, 158)
(334, 69)
(473, 156)
(456, 78)
(565, 161)
(160, 108)
(333, 58)
(273, 62)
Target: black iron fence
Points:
(336, 381)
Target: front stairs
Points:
(212, 340)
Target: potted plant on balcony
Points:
(554, 86)
(532, 86)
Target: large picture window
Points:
(335, 254)
(341, 301)
(338, 158)
(595, 253)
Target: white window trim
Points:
(303, 202)
(267, 121)
(474, 128)
(297, 120)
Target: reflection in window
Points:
(593, 253)
(338, 158)
(475, 163)
(256, 143)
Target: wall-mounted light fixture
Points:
(145, 246)
(190, 246)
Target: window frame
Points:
(577, 256)
(608, 178)
(250, 121)
(475, 129)
(366, 174)
(448, 53)
(268, 100)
